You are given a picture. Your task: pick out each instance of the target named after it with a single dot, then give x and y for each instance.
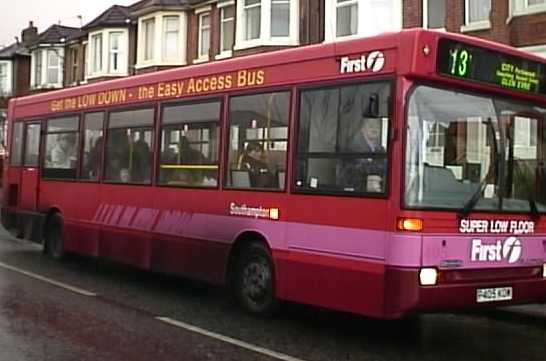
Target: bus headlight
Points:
(428, 276)
(544, 270)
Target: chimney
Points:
(30, 34)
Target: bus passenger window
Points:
(92, 145)
(342, 140)
(16, 157)
(129, 146)
(32, 145)
(189, 144)
(258, 140)
(61, 152)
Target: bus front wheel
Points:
(254, 280)
(53, 241)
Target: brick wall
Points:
(412, 13)
(22, 75)
(528, 30)
(518, 31)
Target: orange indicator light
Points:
(410, 224)
(274, 213)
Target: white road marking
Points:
(233, 341)
(48, 280)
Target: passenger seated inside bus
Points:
(63, 154)
(117, 156)
(140, 167)
(254, 161)
(92, 160)
(367, 173)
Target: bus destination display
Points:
(470, 62)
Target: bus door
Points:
(29, 185)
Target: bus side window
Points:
(16, 157)
(61, 148)
(189, 144)
(258, 140)
(343, 139)
(128, 157)
(32, 145)
(92, 145)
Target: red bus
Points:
(382, 176)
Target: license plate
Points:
(493, 294)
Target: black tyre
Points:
(53, 241)
(254, 280)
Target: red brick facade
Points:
(517, 31)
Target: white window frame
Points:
(106, 70)
(200, 29)
(165, 55)
(425, 16)
(265, 38)
(364, 17)
(121, 58)
(476, 25)
(75, 63)
(148, 50)
(158, 59)
(43, 83)
(86, 65)
(58, 67)
(221, 6)
(7, 90)
(522, 7)
(97, 50)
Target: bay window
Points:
(5, 78)
(47, 66)
(161, 39)
(204, 35)
(115, 52)
(53, 66)
(280, 17)
(252, 18)
(96, 43)
(266, 22)
(171, 47)
(346, 18)
(107, 53)
(477, 15)
(434, 14)
(524, 7)
(227, 28)
(148, 30)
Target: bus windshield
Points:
(474, 152)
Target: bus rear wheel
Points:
(254, 286)
(53, 241)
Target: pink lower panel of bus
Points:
(184, 256)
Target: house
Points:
(15, 73)
(151, 35)
(48, 57)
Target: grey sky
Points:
(15, 14)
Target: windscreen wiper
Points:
(472, 201)
(535, 214)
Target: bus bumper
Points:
(458, 289)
